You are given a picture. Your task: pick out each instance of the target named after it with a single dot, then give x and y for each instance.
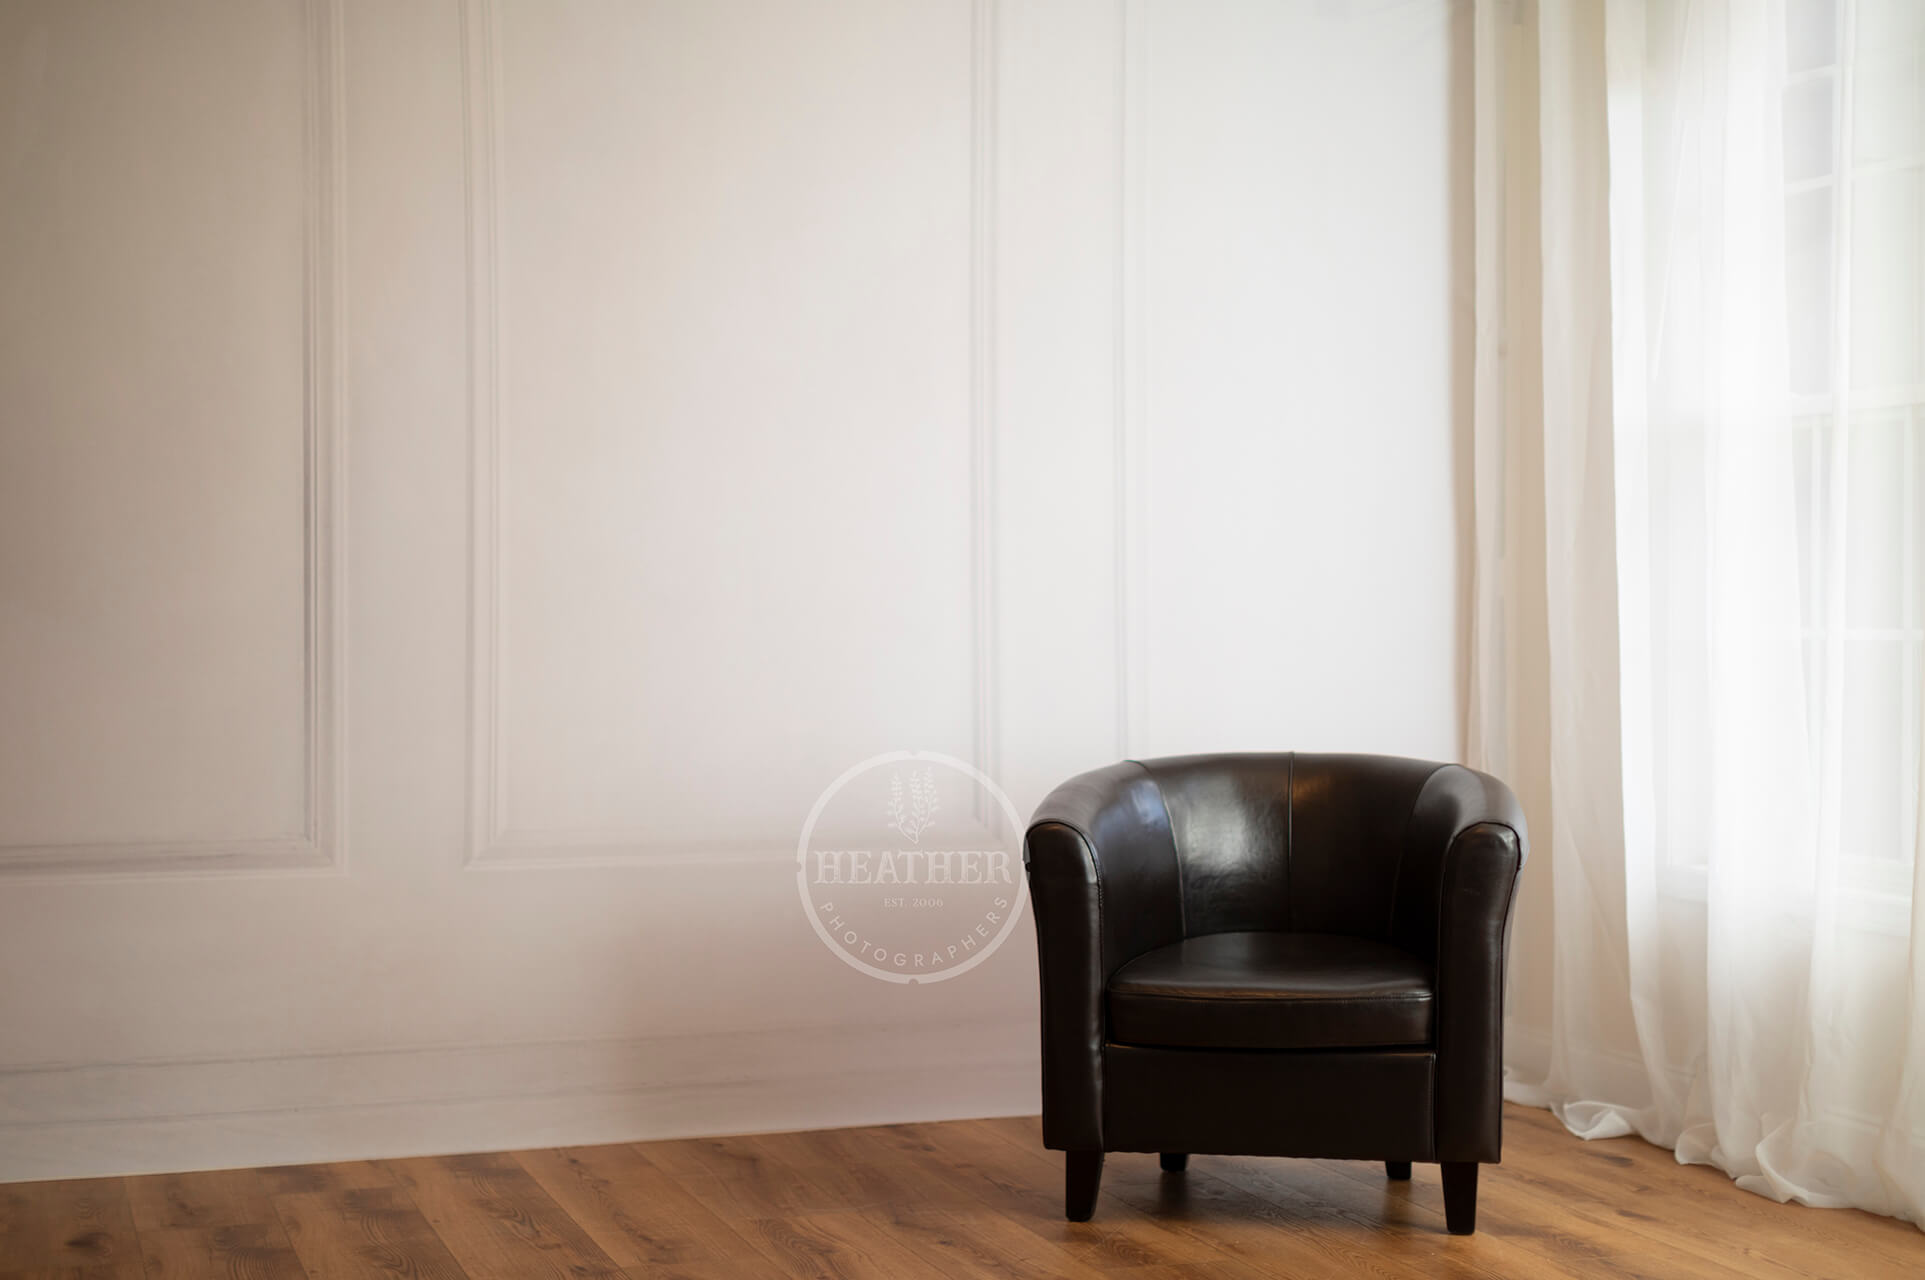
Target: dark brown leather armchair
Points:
(1278, 955)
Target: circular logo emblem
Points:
(910, 867)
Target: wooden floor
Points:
(967, 1199)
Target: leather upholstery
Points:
(1272, 991)
(1339, 1106)
(1103, 874)
(1284, 954)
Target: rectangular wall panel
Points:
(1293, 376)
(164, 388)
(726, 453)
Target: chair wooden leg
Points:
(1175, 1161)
(1397, 1170)
(1460, 1197)
(1082, 1175)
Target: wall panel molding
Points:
(491, 843)
(983, 390)
(105, 1119)
(1131, 441)
(314, 848)
(481, 83)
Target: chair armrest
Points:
(1467, 842)
(1104, 887)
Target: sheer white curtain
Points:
(1700, 570)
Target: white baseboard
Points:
(97, 1120)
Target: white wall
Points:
(470, 474)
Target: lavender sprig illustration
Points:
(914, 813)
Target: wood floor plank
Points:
(1039, 1173)
(893, 1156)
(751, 1177)
(1346, 1220)
(220, 1198)
(1684, 1242)
(845, 1174)
(364, 1232)
(1547, 1228)
(742, 1183)
(497, 1221)
(1647, 1191)
(83, 1224)
(1579, 1234)
(947, 1197)
(1028, 1186)
(754, 1267)
(974, 1244)
(963, 1200)
(1517, 1234)
(1293, 1233)
(348, 1175)
(838, 1246)
(1227, 1269)
(255, 1251)
(638, 1215)
(965, 1182)
(1024, 1131)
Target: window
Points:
(1854, 150)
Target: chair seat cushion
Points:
(1272, 991)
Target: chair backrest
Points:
(1295, 842)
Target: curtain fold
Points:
(1699, 492)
